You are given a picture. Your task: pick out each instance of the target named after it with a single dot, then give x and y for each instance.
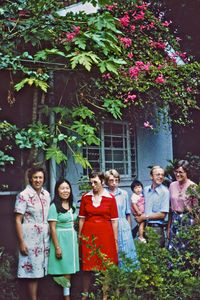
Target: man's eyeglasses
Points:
(159, 174)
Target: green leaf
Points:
(81, 160)
(30, 81)
(80, 42)
(114, 107)
(83, 112)
(56, 153)
(83, 58)
(40, 55)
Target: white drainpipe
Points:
(52, 163)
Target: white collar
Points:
(97, 202)
(104, 194)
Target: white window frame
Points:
(129, 164)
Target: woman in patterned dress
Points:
(98, 227)
(31, 211)
(179, 217)
(125, 239)
(63, 258)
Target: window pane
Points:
(108, 155)
(120, 168)
(117, 142)
(107, 141)
(93, 154)
(107, 128)
(117, 129)
(108, 166)
(95, 166)
(118, 155)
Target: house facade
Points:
(130, 148)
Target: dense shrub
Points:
(160, 274)
(8, 284)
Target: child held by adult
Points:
(137, 206)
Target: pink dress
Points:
(139, 201)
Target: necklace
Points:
(181, 188)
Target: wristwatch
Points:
(147, 218)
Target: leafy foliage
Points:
(153, 278)
(8, 286)
(124, 59)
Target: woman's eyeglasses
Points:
(179, 172)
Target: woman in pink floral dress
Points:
(31, 211)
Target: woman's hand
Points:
(23, 248)
(58, 253)
(168, 232)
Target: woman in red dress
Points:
(98, 228)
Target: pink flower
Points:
(143, 6)
(124, 21)
(37, 251)
(188, 103)
(178, 39)
(183, 55)
(166, 23)
(176, 93)
(146, 67)
(151, 25)
(111, 7)
(126, 42)
(76, 29)
(142, 27)
(142, 66)
(107, 76)
(188, 89)
(160, 79)
(22, 13)
(130, 55)
(70, 36)
(28, 267)
(158, 45)
(132, 28)
(160, 66)
(134, 72)
(140, 16)
(131, 98)
(139, 63)
(148, 125)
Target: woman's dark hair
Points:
(34, 170)
(184, 164)
(136, 183)
(58, 201)
(99, 174)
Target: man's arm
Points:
(155, 216)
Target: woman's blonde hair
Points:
(112, 172)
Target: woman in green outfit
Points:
(63, 257)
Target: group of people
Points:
(104, 224)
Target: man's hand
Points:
(140, 219)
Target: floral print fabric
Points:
(34, 209)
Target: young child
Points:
(137, 206)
